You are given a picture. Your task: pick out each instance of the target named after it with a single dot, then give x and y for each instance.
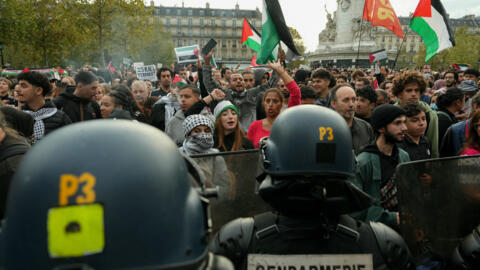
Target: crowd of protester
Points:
(394, 115)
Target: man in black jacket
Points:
(78, 102)
(33, 87)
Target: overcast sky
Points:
(309, 17)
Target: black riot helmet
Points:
(104, 194)
(306, 160)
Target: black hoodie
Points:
(387, 163)
(77, 108)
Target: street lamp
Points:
(1, 53)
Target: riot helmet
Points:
(104, 194)
(305, 163)
(309, 140)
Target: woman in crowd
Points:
(113, 105)
(5, 85)
(12, 148)
(272, 102)
(472, 144)
(100, 92)
(448, 104)
(228, 134)
(199, 141)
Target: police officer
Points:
(306, 162)
(106, 194)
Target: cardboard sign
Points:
(310, 262)
(146, 73)
(188, 54)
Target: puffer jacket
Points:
(78, 109)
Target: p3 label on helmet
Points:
(326, 133)
(69, 187)
(75, 231)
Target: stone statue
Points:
(328, 34)
(344, 4)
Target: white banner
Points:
(310, 262)
(146, 73)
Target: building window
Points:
(168, 21)
(202, 32)
(179, 21)
(213, 13)
(179, 42)
(202, 42)
(224, 23)
(167, 11)
(234, 43)
(212, 22)
(224, 32)
(224, 43)
(190, 32)
(234, 23)
(179, 12)
(190, 12)
(213, 32)
(390, 39)
(179, 30)
(202, 13)
(201, 22)
(189, 21)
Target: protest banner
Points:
(146, 73)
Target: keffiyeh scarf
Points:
(39, 126)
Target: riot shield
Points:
(233, 173)
(439, 203)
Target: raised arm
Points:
(208, 80)
(290, 84)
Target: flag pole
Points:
(399, 51)
(359, 39)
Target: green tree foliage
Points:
(298, 40)
(63, 32)
(466, 51)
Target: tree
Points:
(298, 40)
(465, 51)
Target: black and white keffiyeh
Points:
(196, 120)
(39, 126)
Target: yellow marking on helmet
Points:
(75, 231)
(324, 131)
(69, 186)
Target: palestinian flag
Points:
(430, 21)
(274, 31)
(178, 82)
(377, 56)
(250, 36)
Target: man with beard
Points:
(377, 162)
(164, 76)
(451, 78)
(344, 102)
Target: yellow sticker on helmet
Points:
(75, 231)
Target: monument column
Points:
(347, 11)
